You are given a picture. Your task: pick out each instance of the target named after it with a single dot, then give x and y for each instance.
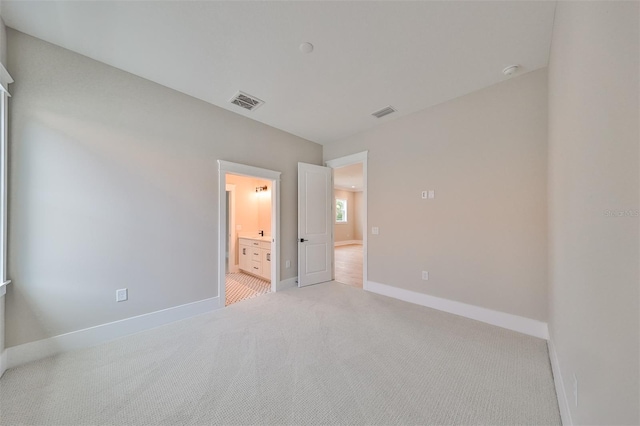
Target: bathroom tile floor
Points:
(241, 286)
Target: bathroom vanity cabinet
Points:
(255, 256)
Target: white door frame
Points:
(231, 189)
(225, 167)
(360, 157)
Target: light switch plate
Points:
(432, 194)
(375, 230)
(425, 194)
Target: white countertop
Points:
(256, 237)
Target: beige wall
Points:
(252, 209)
(264, 208)
(358, 217)
(352, 230)
(345, 231)
(483, 238)
(113, 184)
(593, 168)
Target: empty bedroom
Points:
(311, 212)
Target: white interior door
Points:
(315, 224)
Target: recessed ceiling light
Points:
(306, 47)
(510, 70)
(353, 186)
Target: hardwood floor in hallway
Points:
(349, 265)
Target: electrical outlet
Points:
(575, 390)
(122, 295)
(375, 230)
(431, 194)
(425, 275)
(287, 264)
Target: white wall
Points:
(593, 168)
(114, 184)
(483, 238)
(3, 60)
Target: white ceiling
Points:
(368, 55)
(350, 177)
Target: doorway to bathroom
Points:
(248, 232)
(350, 219)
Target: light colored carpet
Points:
(325, 354)
(240, 286)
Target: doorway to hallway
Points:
(350, 219)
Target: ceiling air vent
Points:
(384, 111)
(246, 101)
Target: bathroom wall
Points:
(252, 209)
(264, 207)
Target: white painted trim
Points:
(4, 189)
(347, 243)
(233, 265)
(346, 188)
(561, 393)
(225, 167)
(3, 362)
(360, 157)
(348, 160)
(243, 169)
(501, 319)
(288, 283)
(21, 354)
(5, 79)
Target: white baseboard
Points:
(501, 319)
(563, 401)
(288, 283)
(3, 362)
(347, 243)
(22, 354)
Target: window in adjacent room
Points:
(341, 210)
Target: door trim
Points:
(225, 167)
(233, 264)
(360, 157)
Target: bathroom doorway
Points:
(249, 230)
(350, 219)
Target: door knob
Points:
(302, 240)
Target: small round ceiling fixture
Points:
(306, 47)
(510, 70)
